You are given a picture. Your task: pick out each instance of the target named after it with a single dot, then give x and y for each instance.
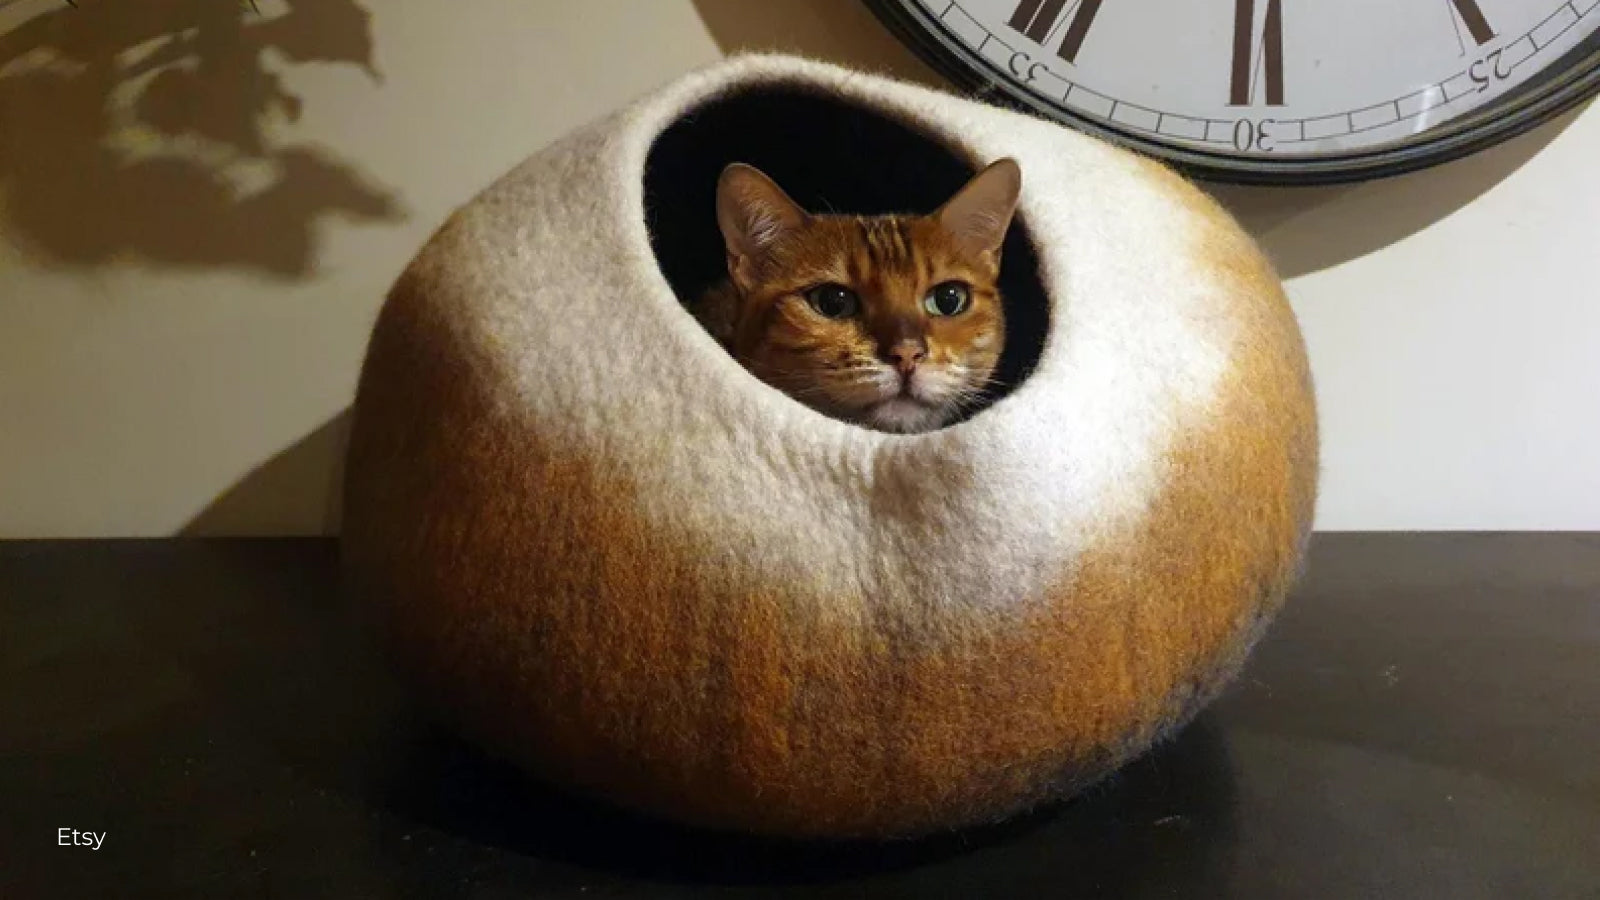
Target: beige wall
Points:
(190, 257)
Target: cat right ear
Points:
(979, 214)
(754, 214)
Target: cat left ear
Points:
(753, 213)
(979, 214)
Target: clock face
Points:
(1273, 90)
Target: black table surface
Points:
(1423, 721)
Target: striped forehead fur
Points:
(891, 249)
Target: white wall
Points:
(1453, 318)
(179, 337)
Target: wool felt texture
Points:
(602, 549)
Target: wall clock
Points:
(1277, 91)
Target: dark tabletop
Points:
(1422, 722)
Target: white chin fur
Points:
(904, 415)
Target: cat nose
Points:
(906, 354)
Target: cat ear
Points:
(979, 214)
(753, 212)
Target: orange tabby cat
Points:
(892, 322)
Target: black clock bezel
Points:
(1564, 84)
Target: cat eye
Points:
(833, 301)
(948, 299)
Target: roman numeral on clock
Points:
(1037, 19)
(1270, 44)
(1476, 23)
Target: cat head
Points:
(893, 322)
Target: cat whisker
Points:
(967, 397)
(804, 392)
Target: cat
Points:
(891, 322)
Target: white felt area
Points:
(572, 317)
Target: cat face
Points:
(893, 322)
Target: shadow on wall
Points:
(301, 484)
(1304, 230)
(839, 31)
(143, 131)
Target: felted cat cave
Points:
(602, 549)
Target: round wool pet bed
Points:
(605, 551)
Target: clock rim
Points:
(1575, 78)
